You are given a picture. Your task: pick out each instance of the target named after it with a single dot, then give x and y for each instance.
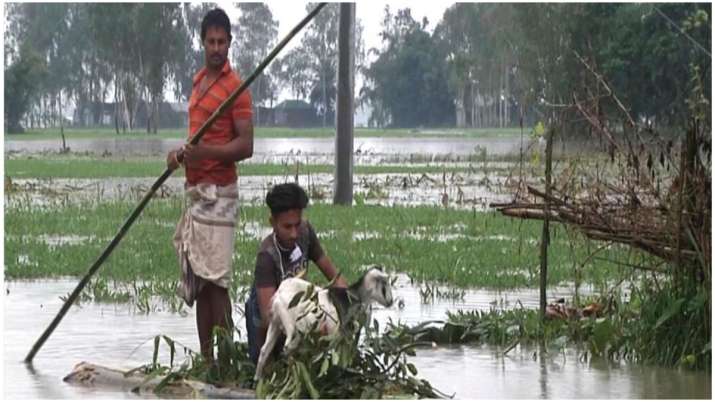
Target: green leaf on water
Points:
(156, 349)
(172, 349)
(164, 382)
(314, 394)
(295, 300)
(670, 312)
(561, 342)
(309, 291)
(602, 334)
(261, 390)
(412, 368)
(689, 360)
(324, 367)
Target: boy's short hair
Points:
(285, 197)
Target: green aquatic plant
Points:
(449, 249)
(430, 293)
(348, 367)
(651, 326)
(367, 366)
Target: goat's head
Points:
(375, 286)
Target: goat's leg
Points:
(289, 327)
(271, 339)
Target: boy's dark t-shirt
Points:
(268, 269)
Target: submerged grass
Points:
(481, 249)
(651, 326)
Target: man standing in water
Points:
(204, 238)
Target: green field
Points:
(461, 248)
(57, 166)
(266, 132)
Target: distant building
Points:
(94, 114)
(171, 115)
(101, 114)
(295, 113)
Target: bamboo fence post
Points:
(545, 239)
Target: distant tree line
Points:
(489, 64)
(483, 64)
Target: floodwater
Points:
(276, 147)
(115, 336)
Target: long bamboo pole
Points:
(157, 184)
(545, 236)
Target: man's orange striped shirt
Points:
(201, 107)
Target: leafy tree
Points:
(22, 80)
(254, 37)
(409, 77)
(319, 46)
(294, 71)
(648, 55)
(160, 50)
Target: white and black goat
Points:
(294, 314)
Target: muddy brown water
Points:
(116, 336)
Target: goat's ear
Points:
(378, 267)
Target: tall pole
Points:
(343, 193)
(545, 238)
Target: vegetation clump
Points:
(362, 364)
(651, 327)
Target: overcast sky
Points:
(370, 13)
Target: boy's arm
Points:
(265, 289)
(329, 270)
(264, 306)
(317, 255)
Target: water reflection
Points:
(285, 146)
(526, 373)
(114, 336)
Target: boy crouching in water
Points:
(283, 254)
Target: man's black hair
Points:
(216, 18)
(285, 197)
